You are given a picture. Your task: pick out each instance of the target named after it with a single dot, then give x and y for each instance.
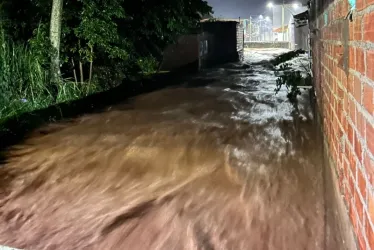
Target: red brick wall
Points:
(345, 99)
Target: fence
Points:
(259, 30)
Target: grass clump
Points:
(25, 84)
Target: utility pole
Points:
(283, 21)
(250, 28)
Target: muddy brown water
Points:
(222, 166)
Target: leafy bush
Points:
(292, 79)
(147, 65)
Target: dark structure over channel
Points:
(216, 42)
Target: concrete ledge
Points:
(258, 45)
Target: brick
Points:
(350, 83)
(370, 137)
(346, 103)
(350, 134)
(360, 123)
(358, 148)
(369, 167)
(360, 60)
(347, 149)
(370, 63)
(360, 4)
(345, 167)
(357, 89)
(352, 62)
(357, 28)
(339, 114)
(344, 8)
(351, 31)
(369, 27)
(352, 110)
(368, 98)
(344, 123)
(344, 79)
(370, 236)
(369, 2)
(348, 192)
(352, 161)
(368, 228)
(371, 207)
(361, 182)
(334, 69)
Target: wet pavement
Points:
(219, 162)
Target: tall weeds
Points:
(24, 80)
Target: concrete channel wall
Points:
(264, 45)
(343, 69)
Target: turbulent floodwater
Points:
(221, 165)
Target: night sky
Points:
(243, 8)
(238, 8)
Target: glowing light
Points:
(295, 5)
(270, 5)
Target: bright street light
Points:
(284, 6)
(261, 17)
(267, 18)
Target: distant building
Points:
(300, 36)
(289, 11)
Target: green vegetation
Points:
(289, 77)
(102, 43)
(24, 81)
(291, 80)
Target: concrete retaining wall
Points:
(264, 45)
